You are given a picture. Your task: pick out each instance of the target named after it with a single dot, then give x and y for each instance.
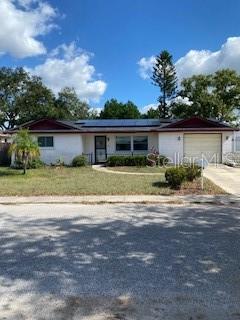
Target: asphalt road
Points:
(119, 262)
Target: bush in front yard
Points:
(116, 161)
(192, 172)
(35, 163)
(175, 177)
(138, 161)
(79, 161)
(121, 161)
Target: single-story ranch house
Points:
(99, 139)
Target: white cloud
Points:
(146, 108)
(22, 21)
(145, 67)
(200, 61)
(205, 61)
(183, 100)
(68, 66)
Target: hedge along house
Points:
(100, 139)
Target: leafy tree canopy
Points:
(69, 105)
(13, 85)
(210, 96)
(37, 102)
(24, 97)
(118, 110)
(151, 114)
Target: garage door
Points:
(207, 144)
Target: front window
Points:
(123, 143)
(45, 142)
(140, 143)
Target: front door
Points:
(100, 149)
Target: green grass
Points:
(86, 181)
(139, 169)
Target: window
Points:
(45, 142)
(140, 143)
(123, 143)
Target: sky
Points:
(105, 48)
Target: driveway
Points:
(111, 262)
(226, 177)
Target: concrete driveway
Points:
(114, 262)
(226, 177)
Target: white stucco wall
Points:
(236, 147)
(66, 147)
(227, 142)
(171, 145)
(89, 142)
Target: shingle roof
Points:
(123, 125)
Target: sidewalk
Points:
(141, 199)
(226, 177)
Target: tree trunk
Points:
(24, 168)
(25, 158)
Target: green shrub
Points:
(79, 161)
(32, 164)
(192, 172)
(35, 164)
(116, 161)
(120, 161)
(175, 177)
(139, 161)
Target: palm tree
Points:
(24, 147)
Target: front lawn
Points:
(139, 169)
(86, 181)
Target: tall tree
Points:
(164, 76)
(118, 110)
(210, 96)
(37, 102)
(195, 90)
(23, 98)
(13, 85)
(226, 91)
(70, 105)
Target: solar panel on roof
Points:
(118, 123)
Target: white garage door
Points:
(207, 144)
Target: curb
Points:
(135, 199)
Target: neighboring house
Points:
(4, 148)
(99, 139)
(5, 138)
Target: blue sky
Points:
(105, 48)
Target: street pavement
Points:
(121, 261)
